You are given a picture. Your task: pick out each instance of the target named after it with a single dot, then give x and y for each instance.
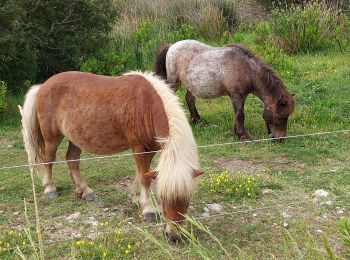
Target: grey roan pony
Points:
(209, 72)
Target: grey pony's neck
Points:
(265, 94)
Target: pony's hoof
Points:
(198, 121)
(52, 195)
(244, 138)
(89, 197)
(150, 217)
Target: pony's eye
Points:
(282, 118)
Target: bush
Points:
(312, 27)
(108, 64)
(40, 38)
(3, 102)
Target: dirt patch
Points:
(126, 184)
(4, 143)
(234, 165)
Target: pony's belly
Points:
(96, 138)
(206, 92)
(103, 149)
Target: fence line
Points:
(223, 214)
(199, 146)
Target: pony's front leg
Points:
(191, 103)
(238, 107)
(82, 189)
(142, 184)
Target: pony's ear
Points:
(151, 175)
(197, 172)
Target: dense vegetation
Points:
(306, 42)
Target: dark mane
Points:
(272, 80)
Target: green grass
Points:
(292, 171)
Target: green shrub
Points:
(108, 64)
(3, 102)
(312, 27)
(40, 38)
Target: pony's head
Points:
(276, 115)
(174, 208)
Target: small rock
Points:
(285, 215)
(16, 213)
(285, 224)
(214, 207)
(92, 221)
(105, 209)
(206, 214)
(9, 146)
(321, 193)
(94, 236)
(319, 231)
(206, 209)
(275, 224)
(266, 191)
(340, 212)
(255, 214)
(73, 216)
(329, 203)
(2, 212)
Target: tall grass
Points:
(315, 26)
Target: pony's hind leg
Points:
(142, 183)
(50, 156)
(81, 188)
(191, 103)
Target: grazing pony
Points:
(106, 115)
(209, 72)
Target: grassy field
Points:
(280, 218)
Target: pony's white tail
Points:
(32, 136)
(179, 157)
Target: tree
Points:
(41, 37)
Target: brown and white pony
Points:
(106, 115)
(209, 72)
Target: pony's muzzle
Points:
(172, 232)
(275, 138)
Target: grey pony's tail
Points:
(32, 137)
(160, 65)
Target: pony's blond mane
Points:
(179, 156)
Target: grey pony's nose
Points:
(278, 139)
